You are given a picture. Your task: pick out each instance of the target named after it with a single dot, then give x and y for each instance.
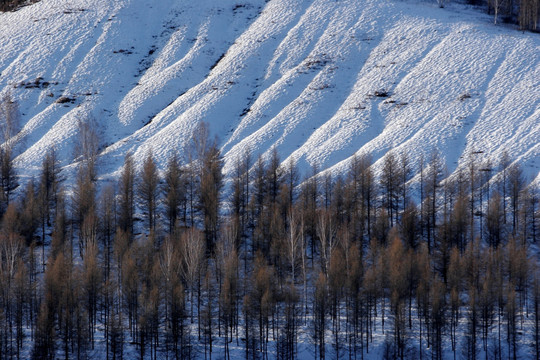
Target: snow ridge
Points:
(306, 77)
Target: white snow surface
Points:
(297, 75)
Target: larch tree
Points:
(389, 183)
(511, 314)
(92, 283)
(50, 180)
(107, 216)
(291, 178)
(309, 194)
(174, 191)
(326, 233)
(286, 344)
(398, 288)
(85, 207)
(434, 176)
(473, 188)
(130, 286)
(504, 163)
(409, 226)
(516, 183)
(8, 175)
(528, 14)
(209, 170)
(241, 192)
(437, 311)
(87, 145)
(459, 223)
(228, 296)
(405, 172)
(295, 238)
(126, 193)
(192, 248)
(258, 194)
(494, 221)
(10, 118)
(536, 310)
(455, 286)
(274, 176)
(320, 310)
(147, 190)
(30, 211)
(9, 129)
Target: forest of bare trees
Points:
(175, 264)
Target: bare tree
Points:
(30, 211)
(320, 310)
(147, 189)
(494, 221)
(262, 295)
(87, 145)
(209, 171)
(528, 14)
(130, 286)
(50, 181)
(503, 181)
(88, 232)
(240, 192)
(309, 199)
(228, 295)
(536, 310)
(192, 249)
(511, 314)
(398, 286)
(174, 190)
(170, 262)
(210, 192)
(85, 206)
(8, 175)
(337, 278)
(291, 178)
(326, 232)
(295, 238)
(91, 286)
(473, 185)
(496, 5)
(107, 215)
(390, 183)
(455, 286)
(405, 174)
(362, 192)
(433, 180)
(126, 203)
(516, 183)
(437, 312)
(9, 129)
(274, 174)
(9, 120)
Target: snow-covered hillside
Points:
(300, 75)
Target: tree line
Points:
(12, 5)
(172, 264)
(525, 13)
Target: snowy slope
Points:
(299, 75)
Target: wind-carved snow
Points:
(320, 81)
